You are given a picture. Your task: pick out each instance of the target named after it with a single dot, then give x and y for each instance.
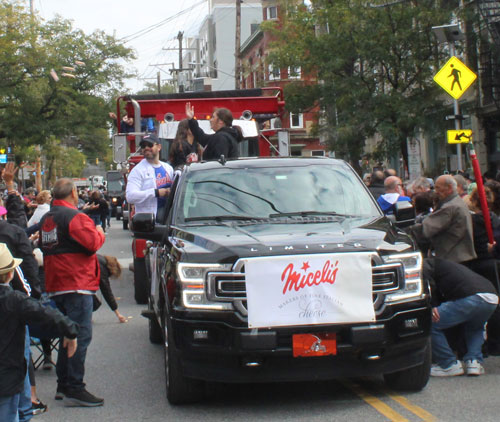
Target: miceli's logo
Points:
(307, 276)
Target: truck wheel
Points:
(412, 379)
(141, 282)
(155, 332)
(180, 390)
(125, 224)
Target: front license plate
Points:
(317, 344)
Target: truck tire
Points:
(180, 389)
(412, 379)
(141, 282)
(155, 331)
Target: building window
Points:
(319, 153)
(296, 121)
(272, 13)
(274, 73)
(294, 72)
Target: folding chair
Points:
(37, 352)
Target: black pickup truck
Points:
(282, 269)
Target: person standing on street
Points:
(449, 227)
(149, 182)
(393, 193)
(69, 240)
(225, 139)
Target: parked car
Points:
(282, 269)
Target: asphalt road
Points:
(124, 368)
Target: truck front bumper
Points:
(216, 351)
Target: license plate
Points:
(317, 344)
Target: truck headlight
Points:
(193, 279)
(413, 285)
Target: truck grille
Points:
(231, 286)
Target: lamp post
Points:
(450, 34)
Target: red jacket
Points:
(69, 241)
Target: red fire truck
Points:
(257, 112)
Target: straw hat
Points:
(7, 261)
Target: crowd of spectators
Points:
(460, 262)
(32, 299)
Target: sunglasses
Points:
(145, 144)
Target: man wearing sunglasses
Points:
(149, 181)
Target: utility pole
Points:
(237, 45)
(180, 35)
(158, 81)
(180, 69)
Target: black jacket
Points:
(17, 310)
(104, 284)
(376, 189)
(223, 142)
(20, 247)
(179, 152)
(451, 281)
(15, 211)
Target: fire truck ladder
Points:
(489, 11)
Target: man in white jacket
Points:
(149, 182)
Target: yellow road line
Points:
(413, 408)
(377, 404)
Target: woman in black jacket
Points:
(184, 149)
(110, 268)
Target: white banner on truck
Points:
(309, 289)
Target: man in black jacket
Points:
(17, 310)
(459, 296)
(225, 139)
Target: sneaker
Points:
(452, 371)
(60, 393)
(473, 367)
(38, 407)
(81, 398)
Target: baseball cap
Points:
(149, 140)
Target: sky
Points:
(126, 17)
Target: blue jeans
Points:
(17, 408)
(471, 311)
(96, 218)
(25, 407)
(70, 371)
(9, 408)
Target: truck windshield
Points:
(274, 192)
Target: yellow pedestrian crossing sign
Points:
(462, 136)
(455, 77)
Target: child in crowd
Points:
(17, 310)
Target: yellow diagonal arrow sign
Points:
(462, 136)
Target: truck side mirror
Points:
(144, 226)
(404, 213)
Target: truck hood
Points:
(228, 241)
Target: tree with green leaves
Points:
(372, 66)
(37, 106)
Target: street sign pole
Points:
(458, 122)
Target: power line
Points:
(148, 29)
